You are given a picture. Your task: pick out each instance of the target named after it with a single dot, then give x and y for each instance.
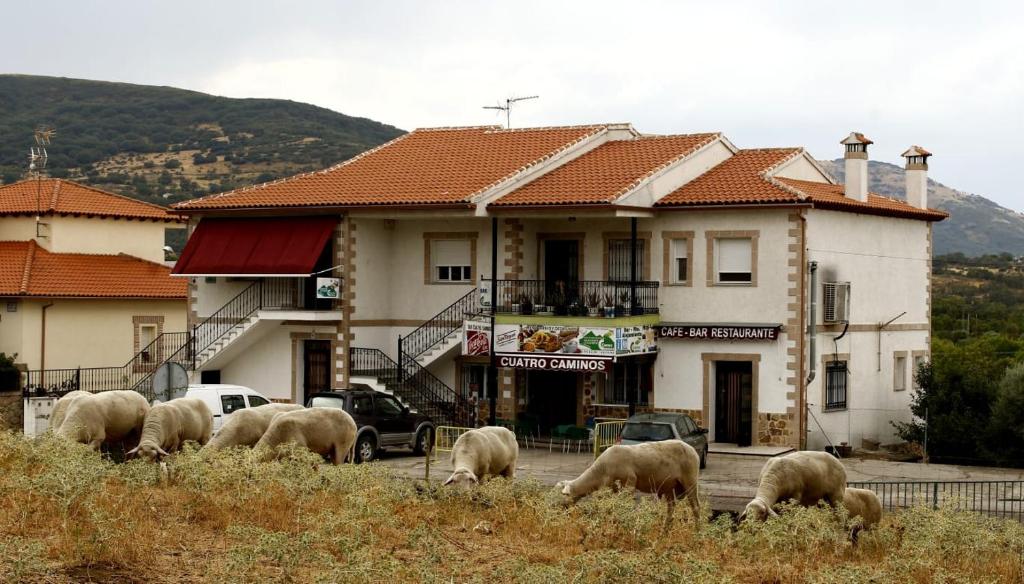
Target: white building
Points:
(714, 317)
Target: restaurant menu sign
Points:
(719, 332)
(476, 338)
(588, 348)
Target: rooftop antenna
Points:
(37, 158)
(507, 108)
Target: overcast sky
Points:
(947, 76)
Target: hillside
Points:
(976, 226)
(164, 144)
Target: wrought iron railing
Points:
(1003, 499)
(583, 298)
(444, 323)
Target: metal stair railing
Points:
(456, 408)
(442, 324)
(415, 390)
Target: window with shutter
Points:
(451, 260)
(679, 262)
(734, 260)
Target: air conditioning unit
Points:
(837, 302)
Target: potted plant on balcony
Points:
(512, 301)
(609, 305)
(559, 303)
(593, 304)
(525, 304)
(622, 308)
(541, 307)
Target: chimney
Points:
(856, 166)
(917, 176)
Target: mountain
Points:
(166, 145)
(976, 225)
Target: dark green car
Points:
(666, 426)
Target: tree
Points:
(1005, 438)
(172, 163)
(165, 178)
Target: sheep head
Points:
(757, 510)
(463, 478)
(148, 451)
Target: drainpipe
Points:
(42, 346)
(492, 371)
(811, 333)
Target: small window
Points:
(256, 401)
(835, 385)
(362, 406)
(918, 361)
(899, 372)
(629, 383)
(147, 334)
(679, 263)
(230, 403)
(734, 260)
(451, 260)
(387, 406)
(618, 259)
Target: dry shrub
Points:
(67, 514)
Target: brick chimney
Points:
(917, 176)
(856, 166)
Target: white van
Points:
(222, 399)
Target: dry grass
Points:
(67, 515)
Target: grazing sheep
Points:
(110, 416)
(862, 503)
(170, 424)
(806, 477)
(491, 450)
(246, 427)
(667, 468)
(329, 432)
(60, 408)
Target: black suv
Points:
(382, 421)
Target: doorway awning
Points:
(269, 246)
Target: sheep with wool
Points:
(806, 477)
(170, 424)
(106, 417)
(329, 432)
(483, 452)
(246, 427)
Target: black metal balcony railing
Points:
(444, 323)
(583, 298)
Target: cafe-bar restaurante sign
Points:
(719, 332)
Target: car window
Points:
(230, 403)
(688, 426)
(362, 405)
(387, 406)
(646, 431)
(255, 400)
(321, 401)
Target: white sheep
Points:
(862, 503)
(170, 424)
(110, 416)
(807, 477)
(60, 408)
(329, 432)
(246, 427)
(667, 468)
(487, 451)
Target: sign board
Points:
(548, 339)
(328, 288)
(719, 332)
(556, 362)
(476, 338)
(634, 339)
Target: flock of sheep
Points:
(668, 469)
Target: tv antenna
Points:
(37, 158)
(507, 108)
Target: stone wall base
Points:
(776, 429)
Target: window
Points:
(918, 361)
(147, 334)
(679, 263)
(899, 373)
(835, 385)
(362, 406)
(256, 401)
(474, 382)
(629, 382)
(734, 260)
(387, 406)
(618, 259)
(451, 260)
(230, 403)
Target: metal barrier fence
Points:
(1004, 499)
(605, 435)
(445, 437)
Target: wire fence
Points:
(1003, 499)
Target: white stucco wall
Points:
(679, 174)
(800, 168)
(20, 229)
(211, 296)
(144, 239)
(268, 365)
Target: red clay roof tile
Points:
(741, 179)
(827, 196)
(54, 196)
(29, 270)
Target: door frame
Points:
(542, 238)
(298, 372)
(708, 360)
(328, 367)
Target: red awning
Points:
(278, 246)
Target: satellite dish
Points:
(170, 381)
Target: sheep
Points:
(329, 432)
(110, 416)
(491, 450)
(862, 503)
(246, 427)
(667, 468)
(61, 407)
(170, 424)
(806, 477)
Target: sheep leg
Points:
(671, 499)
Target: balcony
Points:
(585, 299)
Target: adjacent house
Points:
(84, 289)
(628, 273)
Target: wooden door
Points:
(734, 405)
(316, 368)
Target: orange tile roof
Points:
(828, 196)
(29, 270)
(424, 167)
(741, 179)
(63, 197)
(607, 172)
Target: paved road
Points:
(729, 480)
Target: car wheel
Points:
(704, 458)
(366, 448)
(424, 441)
